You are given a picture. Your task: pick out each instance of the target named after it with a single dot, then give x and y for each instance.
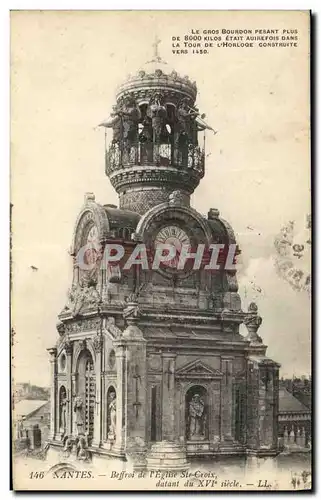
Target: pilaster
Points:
(168, 415)
(98, 347)
(226, 398)
(53, 375)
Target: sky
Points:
(65, 67)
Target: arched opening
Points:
(196, 413)
(84, 407)
(111, 413)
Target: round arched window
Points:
(62, 362)
(112, 358)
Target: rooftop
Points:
(289, 403)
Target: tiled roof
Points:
(27, 406)
(289, 403)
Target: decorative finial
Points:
(155, 45)
(253, 322)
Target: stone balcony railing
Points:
(118, 157)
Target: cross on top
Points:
(155, 45)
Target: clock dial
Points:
(175, 236)
(92, 245)
(92, 237)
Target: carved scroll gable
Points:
(198, 370)
(112, 329)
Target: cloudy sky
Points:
(65, 67)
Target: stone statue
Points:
(196, 428)
(185, 122)
(114, 122)
(82, 452)
(130, 114)
(68, 446)
(157, 112)
(112, 416)
(146, 134)
(63, 414)
(78, 409)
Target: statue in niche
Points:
(196, 414)
(63, 413)
(112, 416)
(157, 112)
(78, 409)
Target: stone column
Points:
(68, 350)
(53, 392)
(226, 398)
(120, 397)
(73, 395)
(168, 406)
(98, 346)
(262, 405)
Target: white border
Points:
(4, 171)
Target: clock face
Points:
(92, 237)
(92, 246)
(175, 236)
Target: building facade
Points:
(294, 423)
(31, 423)
(150, 362)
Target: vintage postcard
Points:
(161, 241)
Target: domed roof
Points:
(157, 74)
(157, 63)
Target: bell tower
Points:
(154, 150)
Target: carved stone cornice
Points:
(53, 353)
(178, 177)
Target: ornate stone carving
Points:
(68, 346)
(154, 362)
(178, 198)
(83, 325)
(61, 328)
(131, 312)
(83, 295)
(253, 322)
(98, 342)
(112, 328)
(213, 213)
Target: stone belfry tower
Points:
(150, 365)
(155, 148)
